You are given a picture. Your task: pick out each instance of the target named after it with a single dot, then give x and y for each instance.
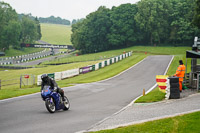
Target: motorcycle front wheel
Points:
(66, 103)
(50, 105)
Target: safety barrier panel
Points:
(58, 76)
(70, 73)
(85, 69)
(74, 72)
(97, 66)
(39, 80)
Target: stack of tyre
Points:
(174, 88)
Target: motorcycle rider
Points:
(46, 80)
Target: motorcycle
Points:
(53, 100)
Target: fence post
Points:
(33, 79)
(0, 84)
(21, 81)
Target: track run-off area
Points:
(90, 103)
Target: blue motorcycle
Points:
(53, 100)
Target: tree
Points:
(182, 30)
(90, 35)
(74, 21)
(78, 37)
(148, 22)
(152, 16)
(54, 20)
(9, 26)
(11, 34)
(38, 28)
(196, 18)
(15, 28)
(29, 30)
(123, 31)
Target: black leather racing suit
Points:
(49, 81)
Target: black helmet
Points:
(181, 62)
(44, 77)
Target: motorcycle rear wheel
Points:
(66, 104)
(50, 105)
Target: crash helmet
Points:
(44, 77)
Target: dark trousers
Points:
(60, 91)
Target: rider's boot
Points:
(62, 95)
(63, 98)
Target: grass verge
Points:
(56, 34)
(105, 72)
(188, 123)
(156, 95)
(15, 52)
(100, 74)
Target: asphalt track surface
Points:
(90, 103)
(38, 61)
(35, 62)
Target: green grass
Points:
(154, 96)
(14, 74)
(101, 74)
(105, 72)
(9, 93)
(188, 123)
(136, 50)
(162, 50)
(87, 57)
(60, 34)
(24, 51)
(56, 34)
(51, 33)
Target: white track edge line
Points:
(150, 119)
(66, 87)
(130, 104)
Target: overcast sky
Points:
(68, 9)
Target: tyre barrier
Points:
(20, 56)
(22, 60)
(174, 88)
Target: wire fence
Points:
(24, 80)
(9, 82)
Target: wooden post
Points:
(0, 84)
(21, 81)
(143, 92)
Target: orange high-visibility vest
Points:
(180, 72)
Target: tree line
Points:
(58, 20)
(15, 29)
(54, 20)
(148, 22)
